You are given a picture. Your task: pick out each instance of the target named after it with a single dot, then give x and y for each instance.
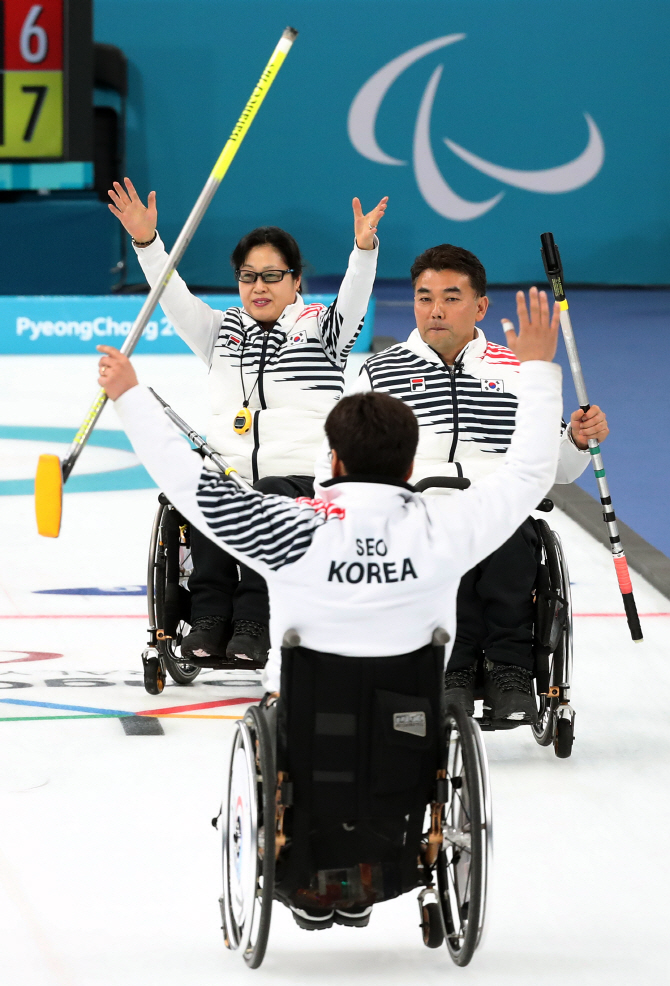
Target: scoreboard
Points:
(46, 80)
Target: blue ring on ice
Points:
(132, 478)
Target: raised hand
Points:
(538, 335)
(366, 226)
(138, 219)
(116, 373)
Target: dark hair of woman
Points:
(278, 238)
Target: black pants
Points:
(494, 608)
(215, 585)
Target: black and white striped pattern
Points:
(330, 323)
(449, 402)
(313, 365)
(267, 528)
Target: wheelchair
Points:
(169, 606)
(552, 633)
(168, 600)
(355, 786)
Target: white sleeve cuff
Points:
(151, 252)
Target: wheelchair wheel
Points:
(154, 676)
(464, 858)
(249, 840)
(545, 730)
(167, 596)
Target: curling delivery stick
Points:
(202, 445)
(552, 265)
(51, 473)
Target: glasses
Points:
(266, 276)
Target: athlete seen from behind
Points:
(370, 568)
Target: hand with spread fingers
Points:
(117, 374)
(538, 333)
(585, 425)
(366, 226)
(136, 218)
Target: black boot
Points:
(509, 692)
(353, 917)
(208, 638)
(312, 919)
(250, 642)
(459, 688)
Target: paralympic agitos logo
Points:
(432, 185)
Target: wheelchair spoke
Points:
(454, 905)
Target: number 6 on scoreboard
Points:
(31, 79)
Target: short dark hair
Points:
(373, 434)
(282, 241)
(448, 257)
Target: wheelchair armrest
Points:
(442, 482)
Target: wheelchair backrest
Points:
(360, 737)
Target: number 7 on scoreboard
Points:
(31, 79)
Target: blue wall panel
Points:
(513, 91)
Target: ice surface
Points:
(109, 865)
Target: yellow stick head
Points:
(48, 495)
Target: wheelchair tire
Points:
(564, 738)
(249, 840)
(464, 858)
(169, 648)
(544, 730)
(431, 925)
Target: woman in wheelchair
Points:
(362, 577)
(276, 368)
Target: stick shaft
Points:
(201, 444)
(554, 270)
(185, 236)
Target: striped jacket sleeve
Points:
(341, 323)
(266, 532)
(259, 529)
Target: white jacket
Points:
(367, 569)
(293, 374)
(466, 412)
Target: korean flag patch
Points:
(417, 385)
(493, 386)
(297, 337)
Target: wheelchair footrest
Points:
(489, 725)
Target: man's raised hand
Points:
(116, 372)
(136, 218)
(365, 227)
(538, 335)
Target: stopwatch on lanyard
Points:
(243, 419)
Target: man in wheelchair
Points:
(363, 577)
(464, 392)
